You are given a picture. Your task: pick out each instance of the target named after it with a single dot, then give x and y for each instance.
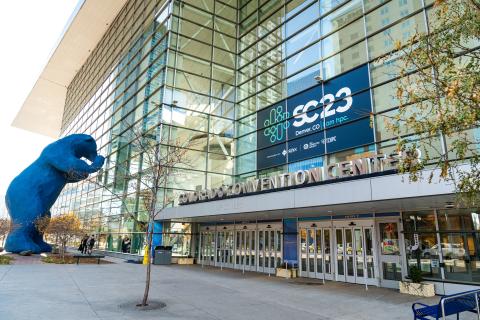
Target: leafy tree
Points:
(439, 93)
(64, 228)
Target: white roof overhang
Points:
(42, 111)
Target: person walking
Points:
(83, 244)
(91, 243)
(126, 244)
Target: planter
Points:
(185, 261)
(417, 289)
(286, 273)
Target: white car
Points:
(449, 251)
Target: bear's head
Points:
(83, 146)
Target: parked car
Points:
(449, 251)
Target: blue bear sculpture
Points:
(33, 192)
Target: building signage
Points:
(344, 169)
(322, 119)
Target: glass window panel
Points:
(189, 119)
(188, 100)
(385, 97)
(198, 140)
(220, 144)
(186, 179)
(192, 64)
(223, 91)
(247, 143)
(303, 80)
(225, 26)
(270, 77)
(389, 236)
(192, 30)
(384, 41)
(345, 60)
(189, 12)
(426, 256)
(246, 56)
(225, 11)
(192, 82)
(247, 89)
(246, 125)
(218, 180)
(389, 13)
(221, 126)
(246, 163)
(223, 41)
(342, 17)
(273, 39)
(224, 58)
(302, 39)
(343, 39)
(271, 58)
(301, 20)
(295, 6)
(271, 95)
(458, 219)
(328, 5)
(246, 73)
(194, 160)
(223, 74)
(204, 4)
(272, 21)
(222, 108)
(246, 107)
(303, 59)
(194, 48)
(220, 163)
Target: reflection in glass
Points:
(303, 249)
(340, 262)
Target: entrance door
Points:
(315, 253)
(354, 254)
(245, 250)
(207, 248)
(269, 250)
(390, 253)
(225, 248)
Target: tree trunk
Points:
(147, 278)
(64, 248)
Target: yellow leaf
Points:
(398, 44)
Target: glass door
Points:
(340, 254)
(390, 254)
(245, 256)
(355, 255)
(269, 250)
(315, 254)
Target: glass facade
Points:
(239, 79)
(448, 244)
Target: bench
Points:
(448, 305)
(94, 256)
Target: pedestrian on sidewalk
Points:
(83, 244)
(91, 243)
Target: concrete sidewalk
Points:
(41, 291)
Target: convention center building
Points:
(291, 162)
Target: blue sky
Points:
(29, 30)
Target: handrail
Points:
(476, 292)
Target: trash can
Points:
(162, 255)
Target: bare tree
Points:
(159, 158)
(64, 227)
(6, 226)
